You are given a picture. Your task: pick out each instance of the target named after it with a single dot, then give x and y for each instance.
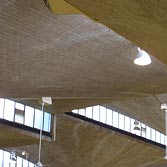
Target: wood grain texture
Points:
(11, 137)
(68, 56)
(142, 22)
(72, 58)
(146, 109)
(79, 144)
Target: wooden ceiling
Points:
(79, 62)
(12, 137)
(79, 144)
(69, 56)
(146, 109)
(142, 22)
(62, 7)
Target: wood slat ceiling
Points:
(146, 109)
(11, 137)
(79, 63)
(79, 144)
(143, 22)
(75, 60)
(68, 56)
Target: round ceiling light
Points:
(143, 58)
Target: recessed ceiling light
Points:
(143, 58)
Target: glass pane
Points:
(115, 119)
(19, 106)
(82, 112)
(143, 130)
(12, 164)
(165, 140)
(96, 113)
(162, 139)
(1, 107)
(1, 157)
(152, 134)
(127, 124)
(148, 132)
(89, 112)
(19, 116)
(29, 116)
(19, 162)
(6, 159)
(38, 119)
(19, 113)
(132, 126)
(102, 114)
(31, 164)
(75, 111)
(25, 163)
(47, 122)
(9, 110)
(109, 117)
(158, 137)
(121, 121)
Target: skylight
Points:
(22, 114)
(112, 118)
(5, 160)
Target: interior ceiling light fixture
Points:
(136, 123)
(143, 58)
(26, 154)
